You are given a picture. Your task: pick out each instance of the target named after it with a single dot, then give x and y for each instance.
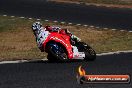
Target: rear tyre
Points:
(90, 54)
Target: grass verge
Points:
(18, 42)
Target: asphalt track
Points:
(90, 15)
(42, 74)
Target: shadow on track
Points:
(46, 61)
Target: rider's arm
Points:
(56, 28)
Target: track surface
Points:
(41, 74)
(91, 15)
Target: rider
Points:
(40, 32)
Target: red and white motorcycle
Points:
(60, 46)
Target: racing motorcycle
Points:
(61, 47)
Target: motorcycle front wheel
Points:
(56, 53)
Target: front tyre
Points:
(56, 53)
(50, 58)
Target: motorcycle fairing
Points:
(77, 54)
(63, 39)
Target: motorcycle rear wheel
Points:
(90, 54)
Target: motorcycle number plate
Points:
(81, 54)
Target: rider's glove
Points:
(56, 28)
(75, 37)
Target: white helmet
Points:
(36, 26)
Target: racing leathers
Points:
(41, 33)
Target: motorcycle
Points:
(61, 47)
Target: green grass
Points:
(18, 42)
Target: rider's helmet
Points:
(36, 26)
